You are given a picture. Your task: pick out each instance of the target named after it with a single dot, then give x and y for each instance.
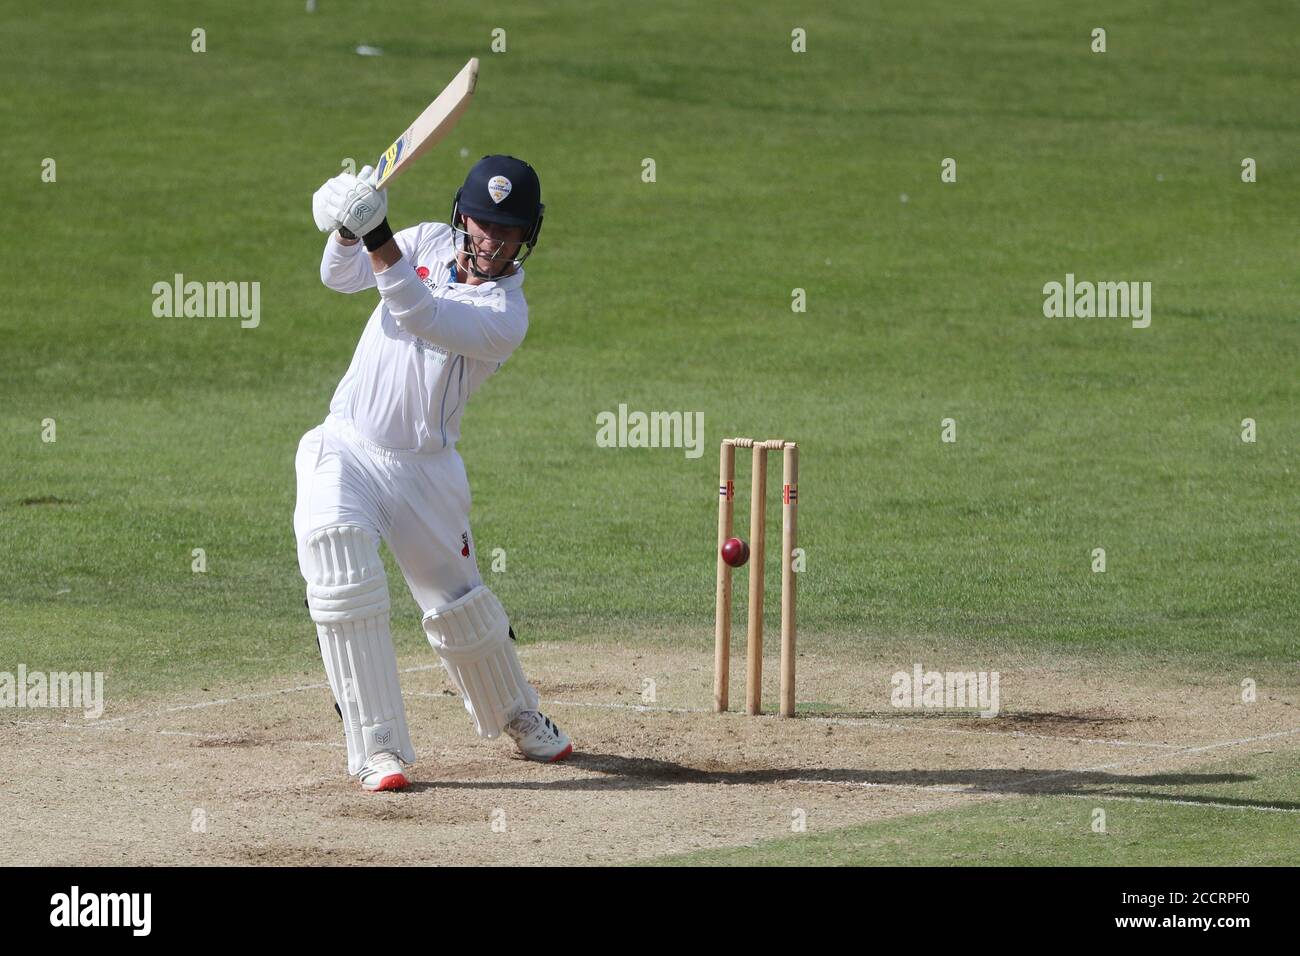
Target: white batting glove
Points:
(349, 202)
(324, 221)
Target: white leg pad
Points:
(472, 636)
(347, 594)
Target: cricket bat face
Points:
(430, 127)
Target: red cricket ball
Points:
(735, 552)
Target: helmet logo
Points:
(498, 188)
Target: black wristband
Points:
(378, 236)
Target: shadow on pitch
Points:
(618, 772)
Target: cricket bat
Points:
(430, 127)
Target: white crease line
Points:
(639, 708)
(251, 743)
(985, 792)
(1244, 740)
(48, 724)
(1147, 758)
(220, 701)
(868, 785)
(1263, 808)
(1173, 749)
(431, 695)
(184, 733)
(870, 722)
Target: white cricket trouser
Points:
(418, 503)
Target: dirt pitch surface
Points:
(256, 775)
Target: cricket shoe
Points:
(538, 738)
(383, 771)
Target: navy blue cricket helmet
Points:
(503, 190)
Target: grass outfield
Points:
(1041, 831)
(1153, 821)
(775, 171)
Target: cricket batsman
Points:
(384, 462)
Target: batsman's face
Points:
(493, 245)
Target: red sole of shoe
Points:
(562, 754)
(394, 781)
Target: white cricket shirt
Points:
(429, 344)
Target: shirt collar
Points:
(512, 281)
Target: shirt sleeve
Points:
(348, 269)
(345, 268)
(487, 327)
